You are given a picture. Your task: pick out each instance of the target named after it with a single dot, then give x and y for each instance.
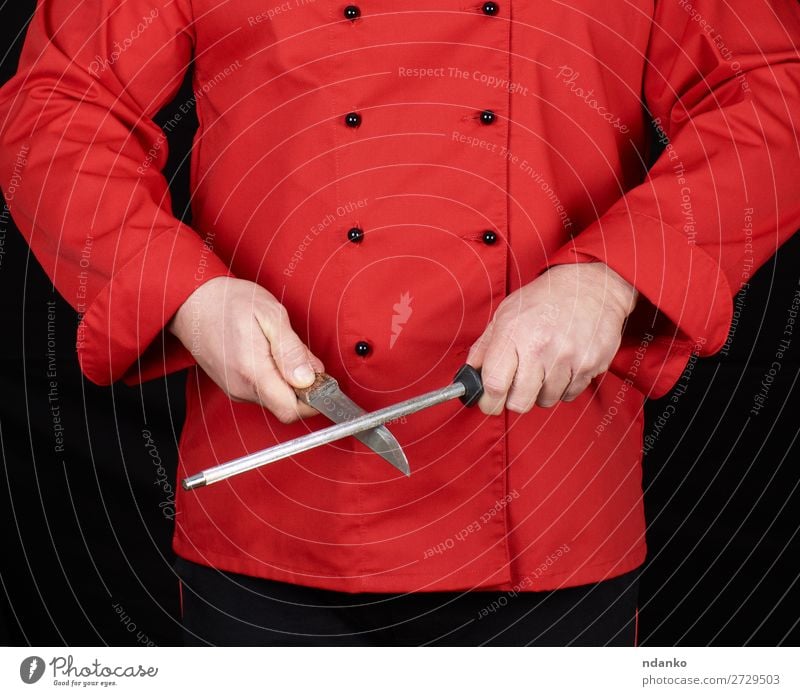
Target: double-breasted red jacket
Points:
(391, 171)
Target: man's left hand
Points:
(550, 338)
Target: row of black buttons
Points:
(352, 12)
(356, 235)
(353, 119)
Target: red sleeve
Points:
(81, 165)
(723, 87)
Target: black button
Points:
(353, 120)
(355, 234)
(490, 8)
(353, 12)
(363, 349)
(489, 237)
(487, 117)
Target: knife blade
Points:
(326, 397)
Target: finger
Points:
(576, 388)
(290, 354)
(279, 397)
(556, 381)
(477, 352)
(316, 363)
(269, 387)
(274, 394)
(525, 387)
(306, 411)
(497, 373)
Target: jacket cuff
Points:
(117, 335)
(680, 282)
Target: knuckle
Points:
(281, 313)
(273, 307)
(539, 340)
(593, 365)
(290, 352)
(569, 354)
(285, 414)
(601, 367)
(240, 385)
(246, 383)
(494, 387)
(518, 406)
(485, 337)
(275, 314)
(507, 330)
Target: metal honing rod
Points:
(323, 437)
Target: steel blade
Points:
(327, 398)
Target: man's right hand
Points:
(241, 336)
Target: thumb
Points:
(316, 363)
(291, 356)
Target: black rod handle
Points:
(473, 385)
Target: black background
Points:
(85, 556)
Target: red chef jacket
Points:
(421, 127)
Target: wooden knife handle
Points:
(322, 381)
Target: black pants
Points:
(221, 608)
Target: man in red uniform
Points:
(387, 191)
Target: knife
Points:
(467, 386)
(326, 396)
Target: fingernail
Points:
(303, 375)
